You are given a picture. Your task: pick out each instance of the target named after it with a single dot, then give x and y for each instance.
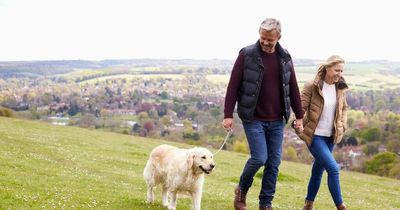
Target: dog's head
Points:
(201, 160)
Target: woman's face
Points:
(334, 73)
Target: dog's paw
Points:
(150, 200)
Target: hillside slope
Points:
(44, 166)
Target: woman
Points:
(324, 103)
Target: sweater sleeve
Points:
(295, 96)
(233, 86)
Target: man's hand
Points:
(228, 123)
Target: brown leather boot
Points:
(240, 199)
(308, 205)
(341, 207)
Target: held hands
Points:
(298, 126)
(228, 124)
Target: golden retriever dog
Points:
(177, 170)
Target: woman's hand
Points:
(298, 125)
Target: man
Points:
(263, 83)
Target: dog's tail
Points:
(147, 172)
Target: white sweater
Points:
(325, 124)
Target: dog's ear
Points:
(190, 159)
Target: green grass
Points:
(78, 73)
(53, 167)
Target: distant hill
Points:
(363, 76)
(48, 68)
(50, 167)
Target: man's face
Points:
(268, 40)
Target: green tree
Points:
(394, 146)
(381, 164)
(142, 116)
(35, 115)
(87, 121)
(153, 114)
(187, 129)
(164, 95)
(6, 112)
(395, 171)
(215, 112)
(371, 148)
(396, 104)
(379, 105)
(191, 113)
(166, 121)
(370, 134)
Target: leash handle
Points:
(230, 131)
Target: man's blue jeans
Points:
(321, 148)
(265, 143)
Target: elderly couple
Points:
(263, 83)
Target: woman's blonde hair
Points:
(331, 61)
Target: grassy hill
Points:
(45, 167)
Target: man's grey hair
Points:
(270, 24)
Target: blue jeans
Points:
(321, 148)
(265, 142)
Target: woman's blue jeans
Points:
(265, 143)
(321, 148)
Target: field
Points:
(134, 76)
(358, 76)
(45, 166)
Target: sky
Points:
(194, 29)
